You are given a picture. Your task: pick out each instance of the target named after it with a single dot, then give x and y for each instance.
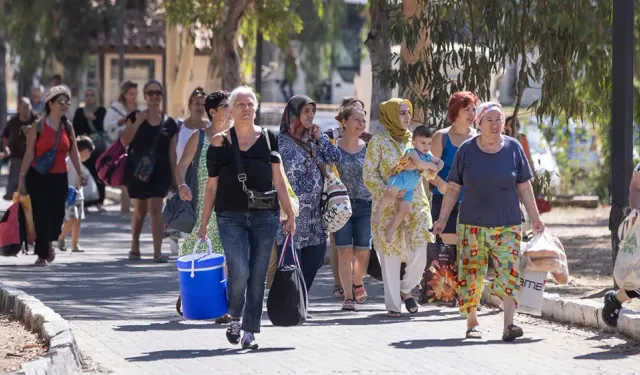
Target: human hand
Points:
(83, 179)
(202, 232)
(438, 227)
(290, 225)
(401, 194)
(141, 117)
(537, 226)
(316, 132)
(431, 166)
(185, 192)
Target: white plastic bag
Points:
(627, 267)
(545, 253)
(90, 190)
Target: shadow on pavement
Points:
(190, 354)
(612, 352)
(427, 343)
(174, 325)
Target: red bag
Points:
(12, 234)
(111, 164)
(543, 205)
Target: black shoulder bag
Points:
(258, 200)
(145, 166)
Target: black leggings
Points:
(48, 197)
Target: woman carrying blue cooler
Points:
(244, 162)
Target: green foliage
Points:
(555, 42)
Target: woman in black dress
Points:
(89, 120)
(150, 169)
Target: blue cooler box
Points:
(203, 286)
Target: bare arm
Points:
(75, 155)
(436, 150)
(634, 190)
(210, 192)
(188, 154)
(438, 162)
(173, 160)
(281, 188)
(5, 146)
(28, 156)
(525, 190)
(421, 164)
(449, 201)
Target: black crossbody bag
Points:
(258, 200)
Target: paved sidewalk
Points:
(123, 315)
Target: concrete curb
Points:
(580, 313)
(64, 356)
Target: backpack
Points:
(288, 301)
(13, 235)
(182, 215)
(111, 165)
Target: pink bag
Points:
(111, 164)
(10, 242)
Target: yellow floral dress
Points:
(383, 154)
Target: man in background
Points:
(36, 99)
(14, 143)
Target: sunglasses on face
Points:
(64, 102)
(154, 93)
(223, 105)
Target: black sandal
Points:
(512, 333)
(474, 333)
(338, 292)
(411, 305)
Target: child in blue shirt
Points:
(407, 175)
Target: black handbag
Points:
(258, 200)
(288, 301)
(181, 215)
(145, 166)
(375, 270)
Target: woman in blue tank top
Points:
(461, 113)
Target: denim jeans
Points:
(247, 239)
(311, 260)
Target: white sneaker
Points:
(249, 341)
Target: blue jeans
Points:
(311, 260)
(247, 239)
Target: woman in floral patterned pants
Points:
(496, 174)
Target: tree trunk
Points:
(182, 76)
(3, 76)
(226, 59)
(411, 9)
(171, 56)
(377, 44)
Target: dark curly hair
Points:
(214, 100)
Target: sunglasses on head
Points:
(154, 93)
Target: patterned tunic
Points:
(308, 183)
(383, 154)
(212, 229)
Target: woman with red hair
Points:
(461, 113)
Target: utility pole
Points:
(621, 115)
(121, 16)
(258, 73)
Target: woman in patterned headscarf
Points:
(409, 244)
(304, 151)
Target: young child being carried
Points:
(74, 213)
(415, 163)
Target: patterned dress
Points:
(212, 230)
(307, 183)
(383, 154)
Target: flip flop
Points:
(338, 292)
(474, 333)
(393, 314)
(512, 333)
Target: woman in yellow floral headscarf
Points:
(409, 244)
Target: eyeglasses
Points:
(64, 102)
(154, 93)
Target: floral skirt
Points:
(475, 246)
